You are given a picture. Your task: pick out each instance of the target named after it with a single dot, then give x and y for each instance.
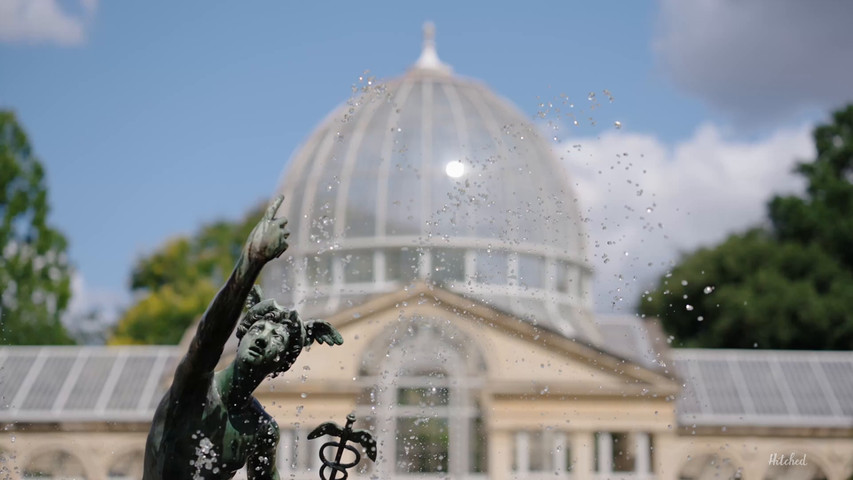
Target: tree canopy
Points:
(35, 283)
(788, 285)
(175, 283)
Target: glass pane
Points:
(404, 176)
(531, 271)
(319, 269)
(567, 454)
(422, 445)
(478, 446)
(401, 264)
(361, 205)
(361, 182)
(358, 266)
(624, 452)
(540, 452)
(565, 278)
(492, 267)
(448, 265)
(321, 226)
(424, 397)
(449, 169)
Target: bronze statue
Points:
(208, 424)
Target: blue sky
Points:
(155, 117)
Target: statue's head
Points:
(271, 337)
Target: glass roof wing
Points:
(764, 388)
(83, 383)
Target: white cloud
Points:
(646, 202)
(44, 21)
(759, 59)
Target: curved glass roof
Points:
(434, 156)
(432, 176)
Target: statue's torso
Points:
(194, 436)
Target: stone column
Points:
(605, 452)
(583, 454)
(284, 457)
(522, 452)
(500, 455)
(643, 461)
(560, 445)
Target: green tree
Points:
(785, 286)
(824, 215)
(176, 282)
(35, 284)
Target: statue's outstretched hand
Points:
(268, 239)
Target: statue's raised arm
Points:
(208, 424)
(267, 241)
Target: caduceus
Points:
(346, 434)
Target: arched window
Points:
(127, 467)
(56, 465)
(707, 467)
(422, 400)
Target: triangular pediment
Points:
(518, 358)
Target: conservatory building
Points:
(437, 231)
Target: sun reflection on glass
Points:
(454, 169)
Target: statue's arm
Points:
(261, 465)
(267, 241)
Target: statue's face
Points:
(263, 345)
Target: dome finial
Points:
(429, 57)
(429, 35)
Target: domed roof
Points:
(432, 176)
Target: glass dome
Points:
(432, 177)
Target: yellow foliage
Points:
(162, 316)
